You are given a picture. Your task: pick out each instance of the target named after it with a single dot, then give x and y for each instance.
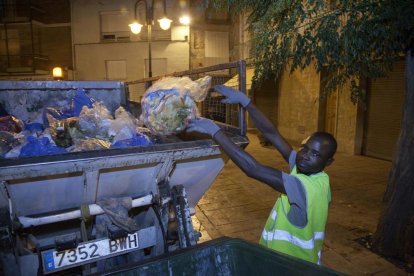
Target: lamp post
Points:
(136, 27)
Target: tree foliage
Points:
(351, 39)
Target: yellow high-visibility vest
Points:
(306, 242)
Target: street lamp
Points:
(185, 20)
(136, 27)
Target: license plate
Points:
(88, 252)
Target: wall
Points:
(90, 58)
(56, 11)
(57, 45)
(298, 103)
(202, 22)
(347, 123)
(197, 38)
(299, 110)
(266, 99)
(240, 39)
(85, 19)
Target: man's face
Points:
(313, 156)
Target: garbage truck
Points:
(88, 211)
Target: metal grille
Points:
(211, 107)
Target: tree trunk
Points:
(394, 236)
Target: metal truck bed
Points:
(51, 206)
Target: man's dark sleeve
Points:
(292, 159)
(296, 194)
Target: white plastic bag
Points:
(170, 103)
(95, 121)
(123, 126)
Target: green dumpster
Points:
(227, 257)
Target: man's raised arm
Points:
(262, 123)
(249, 165)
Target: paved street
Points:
(237, 206)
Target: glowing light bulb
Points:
(135, 27)
(57, 72)
(165, 23)
(185, 20)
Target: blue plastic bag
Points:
(34, 127)
(136, 140)
(79, 101)
(39, 146)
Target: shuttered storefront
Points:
(384, 113)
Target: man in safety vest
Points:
(296, 224)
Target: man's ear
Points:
(329, 161)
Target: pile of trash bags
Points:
(88, 125)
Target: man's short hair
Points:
(328, 138)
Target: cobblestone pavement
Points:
(237, 206)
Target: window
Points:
(114, 26)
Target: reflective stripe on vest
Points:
(274, 214)
(319, 257)
(282, 235)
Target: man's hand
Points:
(233, 96)
(203, 125)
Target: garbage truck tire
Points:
(186, 234)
